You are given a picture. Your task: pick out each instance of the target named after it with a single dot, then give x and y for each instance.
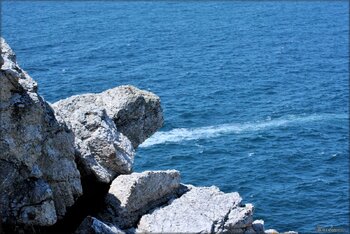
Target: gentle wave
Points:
(187, 134)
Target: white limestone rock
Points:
(131, 196)
(200, 210)
(137, 113)
(107, 127)
(101, 150)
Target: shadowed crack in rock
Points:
(89, 204)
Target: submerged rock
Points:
(200, 210)
(38, 176)
(108, 125)
(131, 196)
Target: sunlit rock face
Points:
(39, 178)
(108, 126)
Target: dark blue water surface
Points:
(255, 95)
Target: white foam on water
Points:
(188, 134)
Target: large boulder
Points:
(131, 196)
(38, 175)
(137, 113)
(108, 126)
(101, 150)
(200, 210)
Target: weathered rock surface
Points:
(100, 123)
(38, 176)
(131, 196)
(137, 113)
(200, 210)
(258, 226)
(91, 225)
(101, 150)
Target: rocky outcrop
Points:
(38, 176)
(136, 113)
(131, 196)
(100, 121)
(101, 150)
(92, 225)
(201, 210)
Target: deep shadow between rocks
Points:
(90, 203)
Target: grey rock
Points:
(250, 230)
(38, 176)
(137, 113)
(258, 226)
(131, 196)
(104, 123)
(200, 210)
(271, 231)
(1, 59)
(92, 225)
(239, 218)
(101, 150)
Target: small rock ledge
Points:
(68, 167)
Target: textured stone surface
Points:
(250, 230)
(258, 226)
(131, 196)
(91, 225)
(200, 210)
(38, 176)
(239, 218)
(102, 150)
(137, 113)
(108, 125)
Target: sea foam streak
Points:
(187, 134)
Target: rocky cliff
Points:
(57, 161)
(38, 176)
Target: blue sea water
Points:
(255, 94)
